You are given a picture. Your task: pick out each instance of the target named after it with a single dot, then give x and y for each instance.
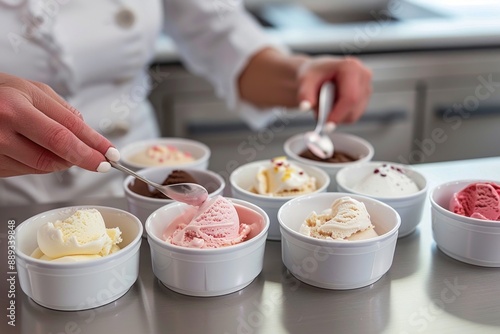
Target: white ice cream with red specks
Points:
(387, 180)
(161, 155)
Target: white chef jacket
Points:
(97, 59)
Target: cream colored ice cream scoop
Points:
(82, 234)
(345, 220)
(189, 193)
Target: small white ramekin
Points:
(207, 272)
(242, 180)
(355, 146)
(470, 240)
(78, 285)
(199, 151)
(333, 264)
(410, 207)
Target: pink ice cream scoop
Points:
(477, 200)
(214, 224)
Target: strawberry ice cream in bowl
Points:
(210, 250)
(466, 221)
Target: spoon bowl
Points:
(318, 141)
(189, 193)
(319, 144)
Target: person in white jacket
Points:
(74, 83)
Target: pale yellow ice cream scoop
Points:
(347, 219)
(282, 178)
(83, 234)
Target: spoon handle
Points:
(134, 174)
(325, 105)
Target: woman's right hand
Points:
(41, 133)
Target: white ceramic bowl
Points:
(199, 151)
(143, 206)
(206, 272)
(470, 240)
(409, 207)
(347, 143)
(79, 285)
(333, 264)
(242, 180)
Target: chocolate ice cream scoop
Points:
(175, 177)
(179, 176)
(338, 157)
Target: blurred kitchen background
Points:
(436, 79)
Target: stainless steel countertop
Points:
(425, 291)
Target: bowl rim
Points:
(80, 264)
(338, 243)
(165, 140)
(153, 200)
(358, 139)
(459, 218)
(209, 251)
(376, 163)
(277, 198)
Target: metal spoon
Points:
(189, 193)
(317, 141)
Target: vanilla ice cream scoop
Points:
(282, 178)
(83, 235)
(347, 219)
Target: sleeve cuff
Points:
(248, 40)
